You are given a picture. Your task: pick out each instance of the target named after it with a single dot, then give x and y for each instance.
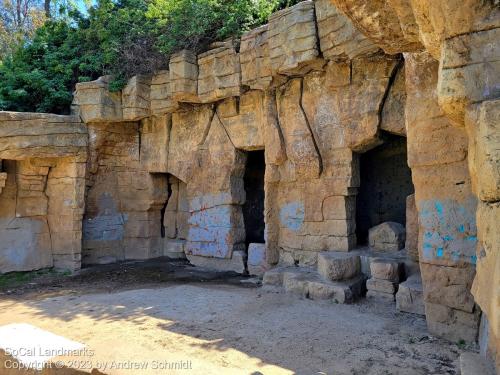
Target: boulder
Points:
(388, 236)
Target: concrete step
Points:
(410, 296)
(337, 266)
(307, 282)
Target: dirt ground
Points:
(157, 313)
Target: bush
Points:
(120, 38)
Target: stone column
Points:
(437, 153)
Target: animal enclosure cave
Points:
(385, 184)
(253, 209)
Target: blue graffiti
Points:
(449, 230)
(292, 215)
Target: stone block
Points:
(448, 286)
(219, 73)
(292, 40)
(411, 242)
(135, 98)
(161, 94)
(386, 269)
(383, 286)
(235, 264)
(338, 266)
(96, 103)
(451, 324)
(155, 137)
(174, 249)
(388, 236)
(339, 39)
(256, 262)
(410, 296)
(183, 69)
(273, 277)
(380, 296)
(254, 59)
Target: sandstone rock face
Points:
(378, 19)
(42, 195)
(387, 236)
(292, 40)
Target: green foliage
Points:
(119, 38)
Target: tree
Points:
(18, 20)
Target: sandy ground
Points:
(229, 327)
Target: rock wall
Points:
(161, 164)
(463, 37)
(42, 200)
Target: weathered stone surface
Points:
(411, 243)
(183, 68)
(380, 22)
(161, 94)
(155, 137)
(483, 127)
(393, 113)
(380, 296)
(382, 286)
(135, 98)
(388, 236)
(451, 324)
(448, 286)
(292, 40)
(96, 103)
(410, 296)
(3, 179)
(235, 264)
(339, 39)
(338, 266)
(254, 59)
(386, 269)
(256, 263)
(469, 71)
(243, 120)
(219, 73)
(441, 20)
(28, 135)
(174, 249)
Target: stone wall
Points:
(42, 200)
(463, 37)
(161, 165)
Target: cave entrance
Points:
(253, 209)
(385, 184)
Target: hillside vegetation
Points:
(120, 38)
